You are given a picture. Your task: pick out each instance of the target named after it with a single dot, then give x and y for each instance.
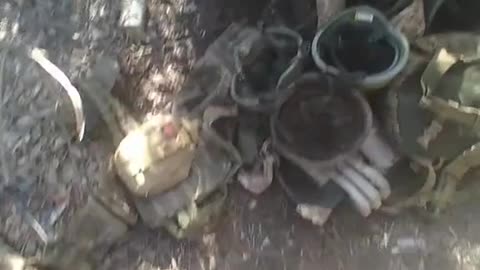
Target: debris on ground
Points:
(261, 105)
(409, 245)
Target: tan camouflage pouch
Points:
(158, 155)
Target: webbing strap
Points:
(422, 196)
(453, 173)
(453, 111)
(197, 215)
(447, 109)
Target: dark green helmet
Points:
(360, 40)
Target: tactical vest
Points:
(433, 112)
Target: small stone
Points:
(76, 36)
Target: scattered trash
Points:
(409, 245)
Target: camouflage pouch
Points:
(215, 162)
(199, 217)
(210, 79)
(433, 108)
(266, 67)
(156, 156)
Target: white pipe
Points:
(357, 198)
(374, 176)
(363, 185)
(378, 152)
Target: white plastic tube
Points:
(363, 185)
(358, 199)
(373, 175)
(378, 152)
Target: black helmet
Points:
(361, 40)
(320, 123)
(318, 126)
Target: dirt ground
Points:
(46, 175)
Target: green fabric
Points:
(435, 112)
(196, 218)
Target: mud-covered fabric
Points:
(210, 79)
(409, 122)
(434, 115)
(264, 72)
(214, 163)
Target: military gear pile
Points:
(259, 106)
(433, 112)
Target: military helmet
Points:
(320, 123)
(360, 40)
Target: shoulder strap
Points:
(450, 110)
(447, 109)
